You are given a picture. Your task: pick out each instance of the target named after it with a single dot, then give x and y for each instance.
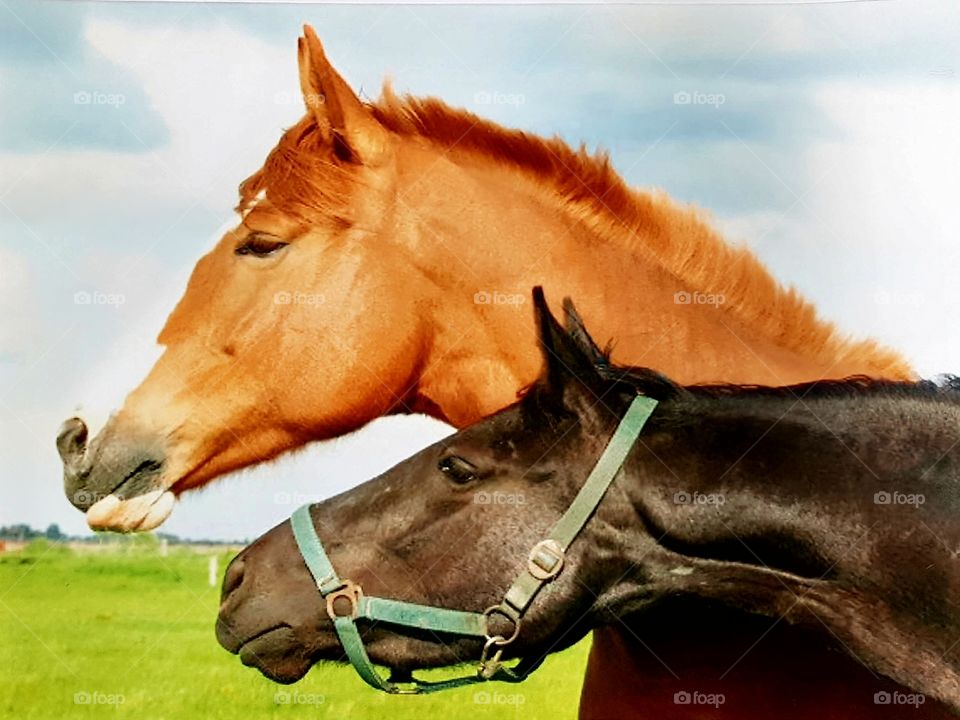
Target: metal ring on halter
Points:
(511, 615)
(490, 665)
(350, 592)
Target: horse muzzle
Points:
(116, 479)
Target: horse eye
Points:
(260, 245)
(459, 470)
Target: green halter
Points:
(543, 564)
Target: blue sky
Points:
(125, 129)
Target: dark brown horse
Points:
(833, 505)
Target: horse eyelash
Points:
(449, 466)
(245, 248)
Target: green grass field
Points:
(130, 634)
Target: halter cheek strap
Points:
(346, 602)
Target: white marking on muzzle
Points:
(140, 513)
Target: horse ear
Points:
(578, 332)
(340, 114)
(566, 365)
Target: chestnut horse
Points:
(382, 265)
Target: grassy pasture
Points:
(128, 633)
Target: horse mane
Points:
(303, 177)
(656, 385)
(649, 382)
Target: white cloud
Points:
(871, 233)
(890, 214)
(864, 34)
(224, 95)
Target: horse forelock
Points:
(301, 177)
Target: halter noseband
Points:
(544, 563)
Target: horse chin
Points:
(277, 655)
(135, 514)
(404, 655)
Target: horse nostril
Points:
(72, 441)
(233, 577)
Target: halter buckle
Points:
(545, 560)
(352, 593)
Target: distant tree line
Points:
(24, 533)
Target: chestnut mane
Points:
(307, 179)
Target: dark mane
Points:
(653, 384)
(660, 387)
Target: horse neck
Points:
(807, 488)
(773, 513)
(479, 231)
